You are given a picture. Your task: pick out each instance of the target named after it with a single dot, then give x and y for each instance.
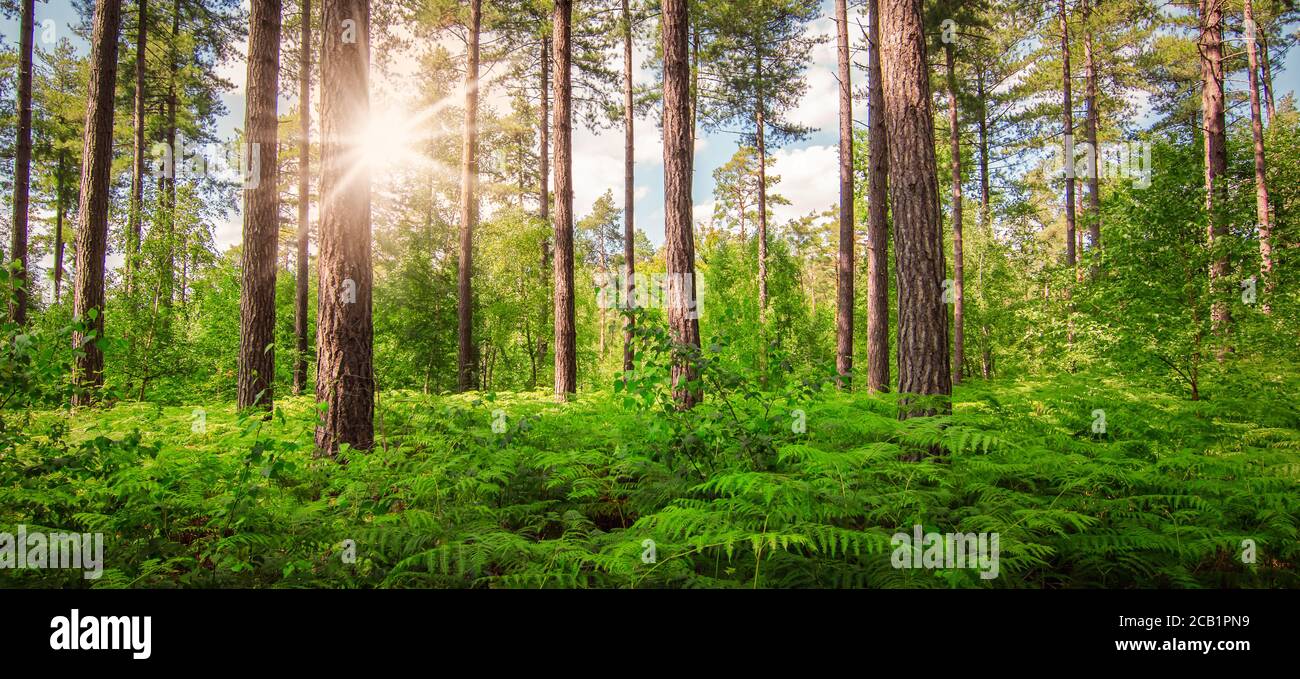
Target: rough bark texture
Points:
(92, 214)
(467, 368)
(22, 165)
(845, 261)
(301, 282)
(877, 213)
(629, 188)
(1261, 183)
(135, 218)
(679, 236)
(544, 181)
(345, 331)
(261, 211)
(958, 259)
(923, 367)
(566, 363)
(1216, 157)
(60, 208)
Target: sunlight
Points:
(392, 140)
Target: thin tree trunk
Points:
(59, 210)
(985, 222)
(92, 213)
(345, 331)
(1267, 72)
(23, 165)
(877, 213)
(301, 282)
(1091, 125)
(1261, 182)
(465, 359)
(958, 264)
(679, 237)
(845, 261)
(1216, 162)
(261, 212)
(1067, 117)
(544, 173)
(566, 364)
(923, 366)
(168, 180)
(759, 136)
(136, 218)
(629, 189)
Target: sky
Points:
(808, 169)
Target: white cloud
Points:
(809, 180)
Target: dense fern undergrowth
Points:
(732, 495)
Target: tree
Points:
(304, 199)
(759, 52)
(877, 213)
(1210, 45)
(679, 237)
(1261, 182)
(629, 190)
(135, 216)
(345, 383)
(261, 211)
(736, 190)
(845, 261)
(913, 192)
(23, 164)
(466, 360)
(1090, 130)
(958, 259)
(566, 360)
(92, 215)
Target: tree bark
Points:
(1266, 69)
(984, 151)
(465, 358)
(566, 363)
(261, 212)
(1067, 117)
(1091, 125)
(761, 143)
(923, 366)
(679, 237)
(92, 213)
(877, 213)
(136, 218)
(629, 190)
(60, 207)
(1261, 182)
(345, 331)
(301, 282)
(23, 165)
(845, 260)
(958, 263)
(544, 188)
(1216, 161)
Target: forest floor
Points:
(1086, 482)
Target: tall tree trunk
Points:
(60, 207)
(136, 218)
(984, 150)
(301, 282)
(1261, 183)
(1216, 162)
(465, 359)
(1266, 70)
(629, 190)
(958, 263)
(544, 183)
(23, 165)
(261, 212)
(566, 363)
(168, 180)
(1091, 125)
(1067, 117)
(923, 367)
(759, 128)
(695, 92)
(92, 213)
(679, 236)
(845, 261)
(877, 213)
(345, 331)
